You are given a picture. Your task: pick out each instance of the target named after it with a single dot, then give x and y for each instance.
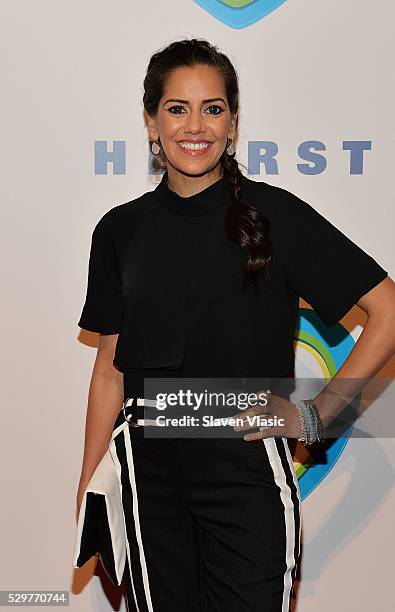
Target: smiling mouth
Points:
(191, 148)
(194, 145)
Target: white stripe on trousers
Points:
(291, 465)
(136, 518)
(132, 479)
(289, 516)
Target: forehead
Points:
(194, 82)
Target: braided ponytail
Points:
(246, 225)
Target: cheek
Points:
(220, 130)
(168, 128)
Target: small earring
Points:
(230, 149)
(155, 148)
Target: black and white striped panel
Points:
(280, 459)
(122, 451)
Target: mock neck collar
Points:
(212, 197)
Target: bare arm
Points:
(374, 347)
(104, 403)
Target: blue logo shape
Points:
(239, 13)
(331, 346)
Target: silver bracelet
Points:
(312, 418)
(312, 428)
(309, 420)
(306, 423)
(305, 419)
(319, 425)
(319, 431)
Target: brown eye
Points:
(172, 108)
(218, 108)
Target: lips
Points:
(194, 144)
(194, 147)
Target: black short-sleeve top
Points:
(164, 275)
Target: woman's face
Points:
(193, 121)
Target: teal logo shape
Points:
(239, 13)
(330, 347)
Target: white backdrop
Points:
(72, 75)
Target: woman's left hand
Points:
(278, 417)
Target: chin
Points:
(196, 168)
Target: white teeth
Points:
(194, 146)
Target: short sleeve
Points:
(102, 311)
(324, 267)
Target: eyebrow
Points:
(186, 101)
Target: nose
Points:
(194, 122)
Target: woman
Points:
(201, 277)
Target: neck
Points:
(186, 185)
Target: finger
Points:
(265, 432)
(252, 411)
(244, 413)
(243, 424)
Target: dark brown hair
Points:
(246, 226)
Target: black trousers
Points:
(213, 525)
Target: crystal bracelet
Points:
(319, 432)
(310, 421)
(319, 425)
(306, 423)
(312, 429)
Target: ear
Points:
(233, 127)
(151, 125)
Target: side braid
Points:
(246, 225)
